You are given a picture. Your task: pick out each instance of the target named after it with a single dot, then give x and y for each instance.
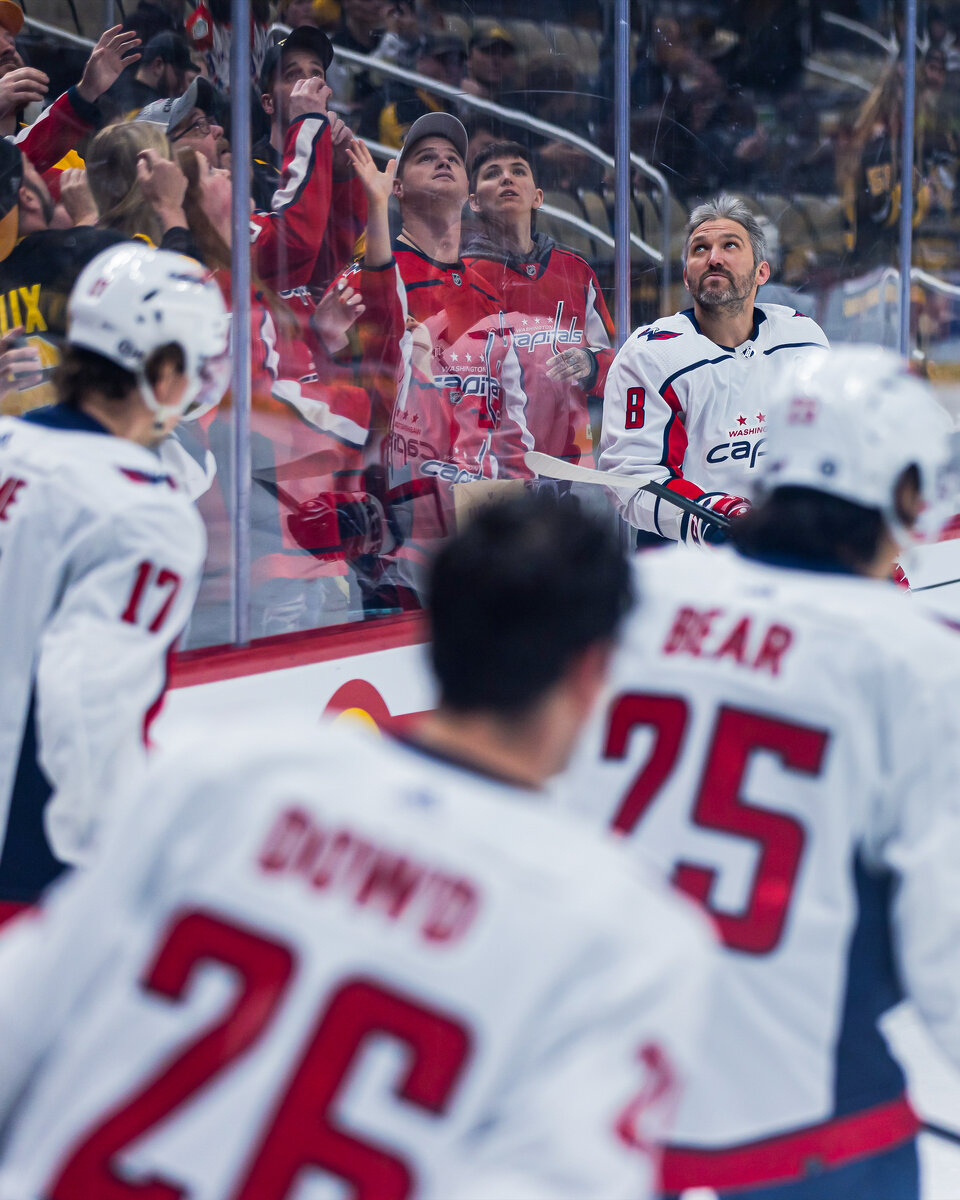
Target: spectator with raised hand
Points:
(19, 85)
(309, 430)
(161, 73)
(39, 264)
(295, 96)
(458, 414)
(285, 240)
(74, 115)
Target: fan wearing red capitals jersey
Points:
(562, 330)
(782, 738)
(326, 962)
(458, 413)
(685, 398)
(100, 553)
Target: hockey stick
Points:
(557, 468)
(941, 1131)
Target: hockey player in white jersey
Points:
(686, 398)
(100, 553)
(330, 963)
(782, 739)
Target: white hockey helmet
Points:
(849, 421)
(132, 299)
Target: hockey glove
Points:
(341, 525)
(699, 531)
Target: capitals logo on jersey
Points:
(652, 334)
(548, 333)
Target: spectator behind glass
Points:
(190, 119)
(491, 64)
(297, 415)
(359, 94)
(304, 54)
(37, 274)
(442, 57)
(401, 41)
(304, 57)
(19, 85)
(151, 17)
(161, 73)
(112, 174)
(298, 12)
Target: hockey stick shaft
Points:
(556, 468)
(941, 1131)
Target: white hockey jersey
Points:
(690, 413)
(334, 963)
(100, 558)
(784, 743)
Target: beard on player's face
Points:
(708, 293)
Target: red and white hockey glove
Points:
(336, 526)
(700, 531)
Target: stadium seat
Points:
(564, 41)
(530, 38)
(589, 51)
(561, 231)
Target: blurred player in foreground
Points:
(378, 965)
(783, 738)
(685, 399)
(100, 553)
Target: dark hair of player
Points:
(84, 374)
(529, 585)
(804, 526)
(498, 150)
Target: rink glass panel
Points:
(798, 108)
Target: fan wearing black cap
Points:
(305, 54)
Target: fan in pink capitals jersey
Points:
(561, 327)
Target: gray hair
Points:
(727, 208)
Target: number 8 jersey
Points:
(783, 744)
(100, 556)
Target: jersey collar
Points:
(65, 417)
(759, 316)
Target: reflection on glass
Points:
(474, 324)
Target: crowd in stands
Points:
(412, 332)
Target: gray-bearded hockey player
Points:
(685, 398)
(326, 962)
(782, 738)
(100, 553)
